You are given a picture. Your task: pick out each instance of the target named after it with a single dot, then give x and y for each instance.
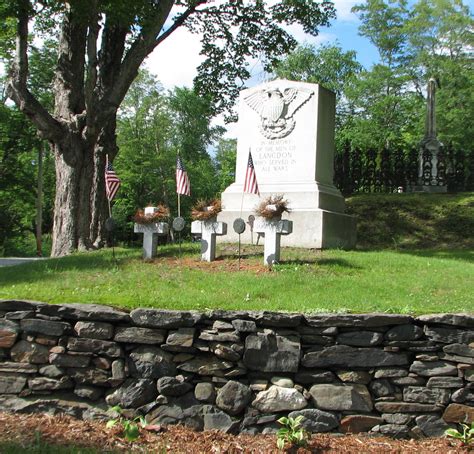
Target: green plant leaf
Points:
(111, 423)
(131, 432)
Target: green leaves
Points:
(130, 428)
(291, 432)
(466, 435)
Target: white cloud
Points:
(343, 8)
(175, 60)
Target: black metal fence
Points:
(392, 170)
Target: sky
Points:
(182, 49)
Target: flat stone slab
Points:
(79, 311)
(165, 319)
(357, 320)
(466, 320)
(353, 398)
(433, 368)
(139, 335)
(406, 407)
(344, 357)
(47, 327)
(20, 305)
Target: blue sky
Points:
(182, 48)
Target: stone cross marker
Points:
(150, 234)
(273, 230)
(208, 230)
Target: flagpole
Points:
(179, 205)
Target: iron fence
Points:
(390, 170)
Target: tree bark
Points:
(39, 203)
(106, 145)
(72, 206)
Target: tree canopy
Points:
(100, 46)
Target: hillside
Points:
(413, 221)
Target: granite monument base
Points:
(319, 229)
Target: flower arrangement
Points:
(161, 213)
(206, 209)
(272, 207)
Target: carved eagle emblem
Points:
(276, 109)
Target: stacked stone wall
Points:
(240, 371)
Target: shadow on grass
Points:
(320, 261)
(94, 261)
(463, 255)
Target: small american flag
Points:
(251, 185)
(112, 181)
(182, 180)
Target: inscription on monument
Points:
(275, 156)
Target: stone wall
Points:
(240, 371)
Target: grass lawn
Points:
(398, 281)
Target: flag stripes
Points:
(183, 186)
(251, 185)
(112, 181)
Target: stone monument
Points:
(430, 156)
(289, 128)
(151, 232)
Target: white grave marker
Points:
(208, 230)
(150, 234)
(273, 230)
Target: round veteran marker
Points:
(239, 226)
(178, 224)
(110, 225)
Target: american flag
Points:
(251, 185)
(112, 181)
(182, 180)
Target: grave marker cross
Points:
(273, 230)
(208, 230)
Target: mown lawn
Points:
(399, 281)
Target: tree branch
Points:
(145, 43)
(91, 77)
(17, 88)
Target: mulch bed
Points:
(66, 431)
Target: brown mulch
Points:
(66, 431)
(218, 265)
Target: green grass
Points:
(415, 281)
(408, 221)
(415, 254)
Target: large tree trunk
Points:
(106, 145)
(72, 206)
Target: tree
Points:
(226, 155)
(440, 44)
(101, 46)
(433, 38)
(327, 65)
(152, 126)
(24, 166)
